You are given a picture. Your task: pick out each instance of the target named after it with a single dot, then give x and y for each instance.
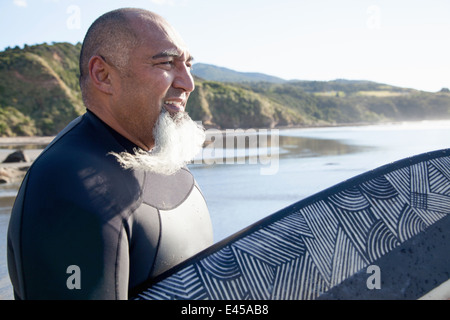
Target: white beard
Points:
(178, 140)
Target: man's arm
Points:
(64, 246)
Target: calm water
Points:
(305, 161)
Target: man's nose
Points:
(184, 79)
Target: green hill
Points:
(39, 95)
(221, 74)
(39, 91)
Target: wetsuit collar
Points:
(124, 142)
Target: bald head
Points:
(134, 65)
(112, 36)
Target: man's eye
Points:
(165, 64)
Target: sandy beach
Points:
(31, 146)
(25, 140)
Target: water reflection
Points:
(238, 147)
(313, 147)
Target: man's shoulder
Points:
(77, 166)
(66, 147)
(82, 146)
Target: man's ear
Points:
(99, 72)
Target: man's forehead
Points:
(164, 42)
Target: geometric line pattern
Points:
(308, 248)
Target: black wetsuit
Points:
(78, 207)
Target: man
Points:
(110, 203)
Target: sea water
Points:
(239, 193)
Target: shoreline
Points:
(13, 172)
(44, 140)
(25, 140)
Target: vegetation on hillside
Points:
(39, 89)
(39, 95)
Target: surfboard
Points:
(384, 234)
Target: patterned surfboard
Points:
(384, 234)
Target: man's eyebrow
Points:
(171, 53)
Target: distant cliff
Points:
(39, 95)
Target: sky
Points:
(397, 42)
